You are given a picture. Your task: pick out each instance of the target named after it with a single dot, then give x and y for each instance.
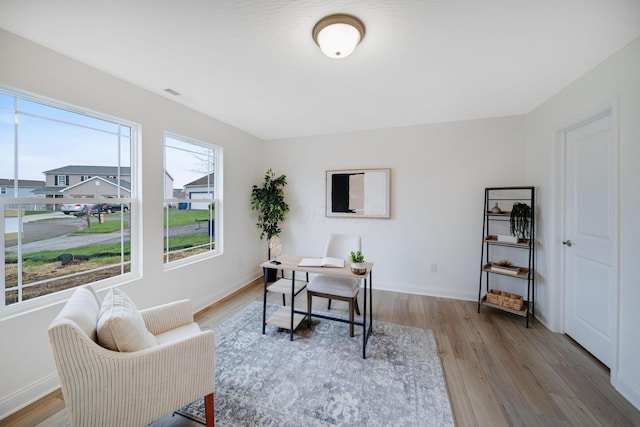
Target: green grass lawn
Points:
(187, 239)
(179, 218)
(45, 257)
(106, 227)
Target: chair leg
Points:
(209, 410)
(351, 316)
(329, 306)
(309, 303)
(284, 301)
(357, 308)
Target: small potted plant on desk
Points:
(357, 263)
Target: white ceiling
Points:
(254, 65)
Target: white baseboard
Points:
(206, 301)
(27, 395)
(431, 292)
(631, 393)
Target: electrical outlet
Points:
(434, 268)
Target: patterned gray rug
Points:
(320, 378)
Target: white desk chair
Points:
(332, 287)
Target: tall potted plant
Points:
(268, 200)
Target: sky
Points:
(50, 138)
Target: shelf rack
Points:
(525, 273)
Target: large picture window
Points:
(67, 212)
(192, 175)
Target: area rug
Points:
(320, 378)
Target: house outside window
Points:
(192, 199)
(85, 177)
(32, 265)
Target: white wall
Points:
(27, 368)
(615, 82)
(438, 175)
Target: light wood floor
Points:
(498, 372)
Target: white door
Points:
(590, 238)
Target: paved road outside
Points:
(53, 231)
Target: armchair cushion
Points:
(178, 334)
(121, 326)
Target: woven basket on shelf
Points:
(505, 299)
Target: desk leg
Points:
(364, 322)
(293, 296)
(371, 301)
(264, 301)
(367, 327)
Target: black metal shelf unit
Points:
(496, 219)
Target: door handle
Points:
(568, 243)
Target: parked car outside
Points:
(115, 207)
(99, 208)
(77, 209)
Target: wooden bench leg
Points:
(209, 410)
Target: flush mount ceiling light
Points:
(338, 35)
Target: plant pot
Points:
(272, 274)
(358, 268)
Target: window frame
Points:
(216, 200)
(135, 223)
(60, 178)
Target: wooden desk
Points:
(290, 263)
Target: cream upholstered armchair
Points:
(156, 367)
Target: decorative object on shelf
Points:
(505, 299)
(504, 263)
(509, 268)
(520, 220)
(507, 238)
(268, 200)
(357, 263)
(496, 209)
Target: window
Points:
(42, 144)
(192, 174)
(85, 177)
(3, 190)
